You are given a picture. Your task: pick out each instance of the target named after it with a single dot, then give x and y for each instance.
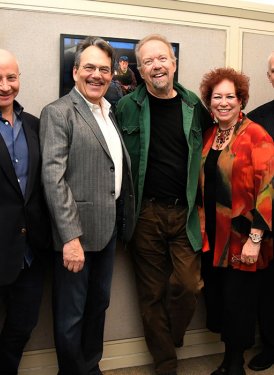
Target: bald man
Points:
(24, 225)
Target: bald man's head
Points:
(9, 80)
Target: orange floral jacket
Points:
(246, 170)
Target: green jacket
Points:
(133, 115)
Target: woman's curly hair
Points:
(214, 77)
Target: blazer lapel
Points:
(83, 109)
(33, 159)
(7, 166)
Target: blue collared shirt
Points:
(16, 143)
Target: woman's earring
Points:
(213, 118)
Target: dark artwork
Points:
(121, 83)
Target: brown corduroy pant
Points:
(168, 279)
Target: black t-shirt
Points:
(166, 174)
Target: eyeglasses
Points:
(90, 68)
(148, 62)
(9, 79)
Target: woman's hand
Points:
(250, 252)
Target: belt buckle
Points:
(177, 200)
(173, 202)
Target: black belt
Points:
(169, 201)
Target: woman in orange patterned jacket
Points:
(236, 177)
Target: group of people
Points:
(166, 174)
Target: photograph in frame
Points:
(124, 49)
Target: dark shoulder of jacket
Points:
(30, 120)
(28, 117)
(263, 110)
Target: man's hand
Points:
(73, 255)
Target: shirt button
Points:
(18, 180)
(112, 169)
(113, 193)
(6, 123)
(16, 160)
(23, 230)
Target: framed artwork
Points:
(122, 47)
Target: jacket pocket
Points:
(131, 129)
(87, 216)
(131, 136)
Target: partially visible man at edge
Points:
(89, 191)
(24, 225)
(161, 123)
(264, 115)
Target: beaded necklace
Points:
(222, 136)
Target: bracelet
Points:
(255, 237)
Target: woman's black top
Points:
(210, 195)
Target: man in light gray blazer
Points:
(88, 188)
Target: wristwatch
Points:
(255, 237)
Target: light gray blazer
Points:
(78, 176)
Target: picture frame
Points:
(122, 47)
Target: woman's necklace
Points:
(222, 136)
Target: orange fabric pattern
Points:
(245, 173)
